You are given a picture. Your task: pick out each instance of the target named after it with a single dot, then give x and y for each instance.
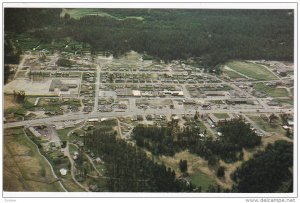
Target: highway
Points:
(167, 112)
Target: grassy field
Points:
(221, 115)
(197, 168)
(264, 125)
(72, 149)
(285, 101)
(231, 74)
(24, 169)
(80, 12)
(251, 70)
(270, 91)
(63, 135)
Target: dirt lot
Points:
(9, 102)
(36, 87)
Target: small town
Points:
(88, 116)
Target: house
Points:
(290, 122)
(63, 171)
(282, 73)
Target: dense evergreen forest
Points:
(268, 171)
(236, 135)
(213, 36)
(129, 167)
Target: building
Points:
(189, 101)
(240, 101)
(215, 93)
(126, 92)
(92, 120)
(282, 73)
(63, 171)
(136, 93)
(57, 83)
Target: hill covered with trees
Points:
(212, 36)
(130, 169)
(236, 135)
(268, 171)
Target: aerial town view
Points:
(148, 100)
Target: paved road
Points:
(97, 85)
(167, 112)
(67, 153)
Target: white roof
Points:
(136, 92)
(93, 119)
(63, 171)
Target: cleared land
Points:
(10, 102)
(285, 101)
(266, 126)
(80, 12)
(251, 70)
(271, 91)
(24, 169)
(221, 115)
(36, 87)
(198, 169)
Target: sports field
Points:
(249, 70)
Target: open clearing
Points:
(271, 91)
(77, 13)
(252, 70)
(9, 102)
(198, 169)
(36, 87)
(24, 169)
(221, 115)
(264, 125)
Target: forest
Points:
(168, 140)
(258, 174)
(211, 37)
(129, 167)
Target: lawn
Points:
(271, 91)
(72, 149)
(24, 169)
(221, 115)
(252, 70)
(203, 180)
(264, 125)
(63, 135)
